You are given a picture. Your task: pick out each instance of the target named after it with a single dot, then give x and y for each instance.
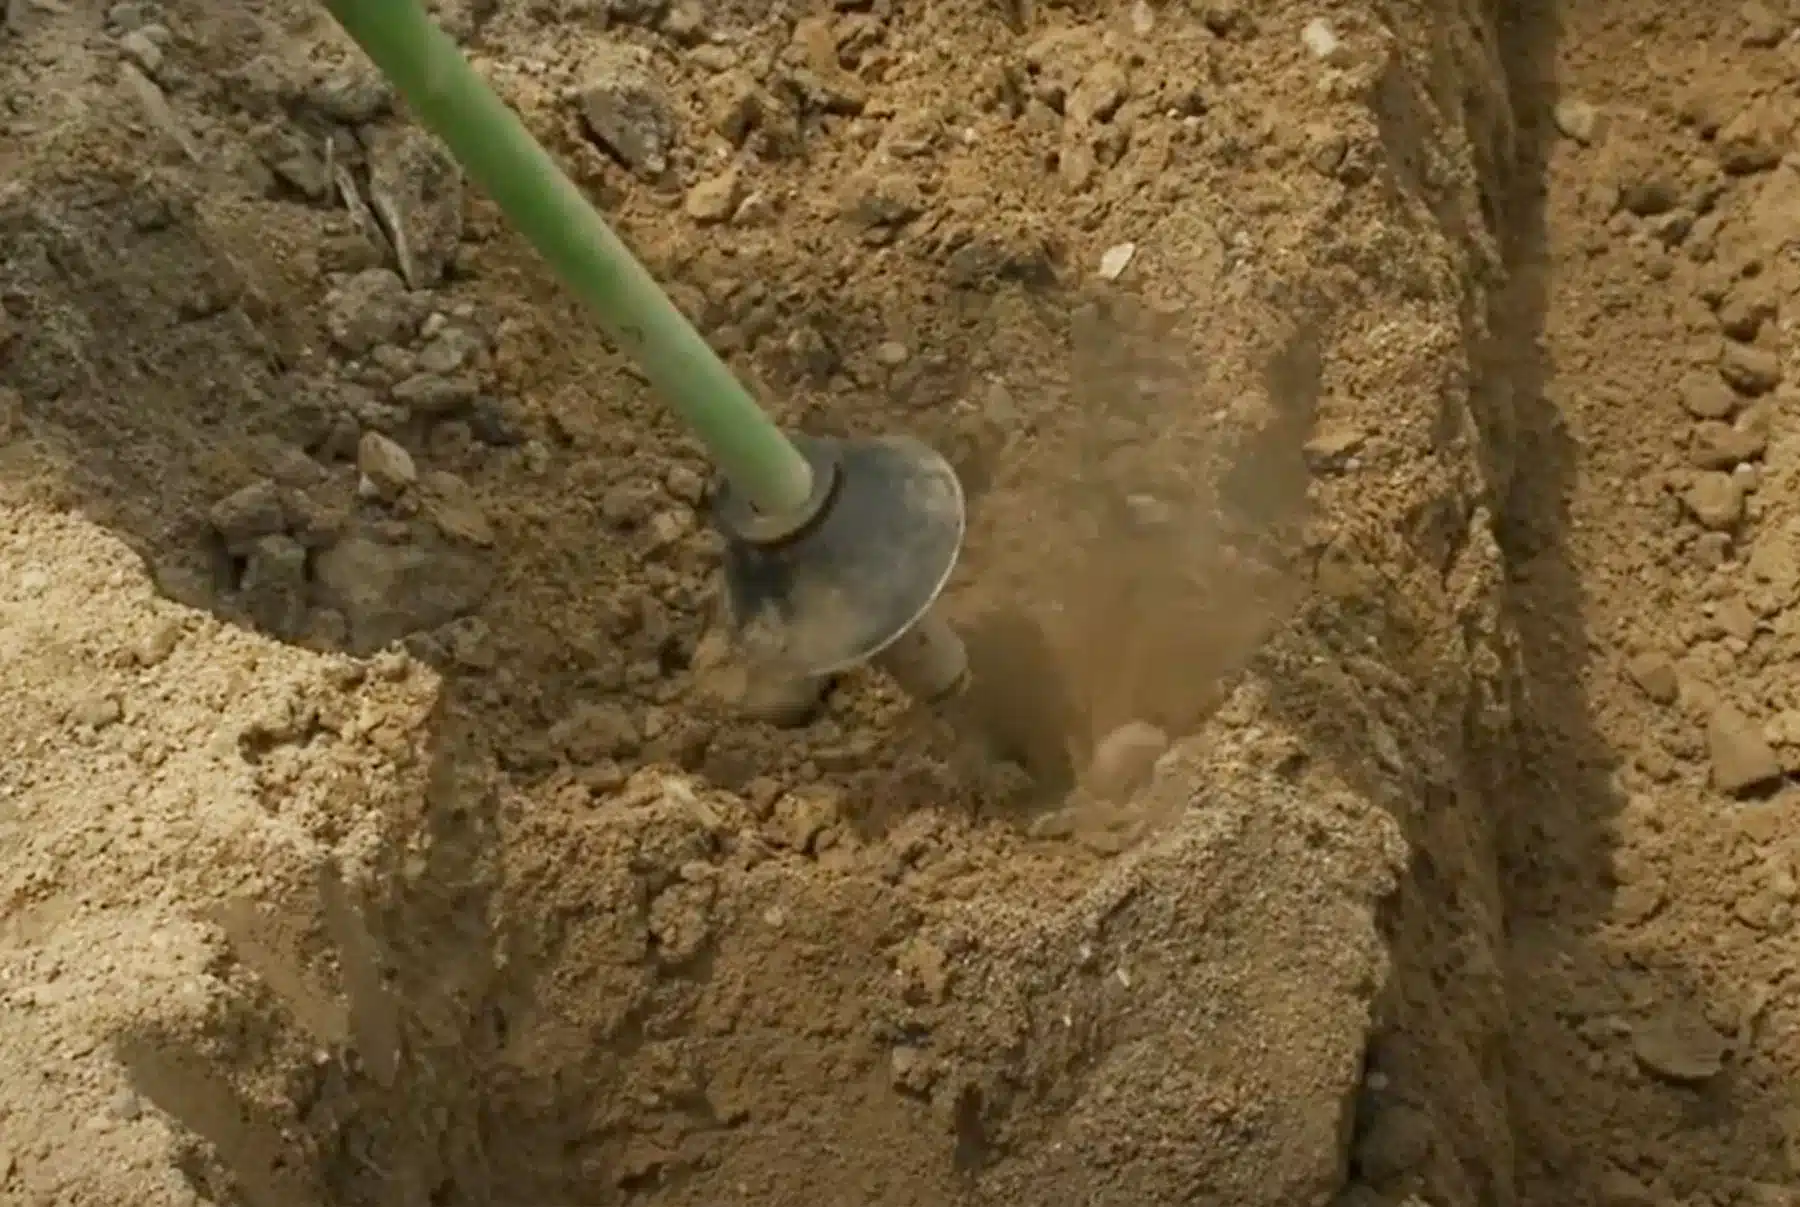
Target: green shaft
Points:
(499, 154)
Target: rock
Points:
(1099, 94)
(1748, 368)
(434, 396)
(1395, 1141)
(1744, 311)
(387, 468)
(1322, 41)
(448, 351)
(1721, 446)
(97, 711)
(595, 732)
(1761, 26)
(625, 109)
(416, 190)
(1677, 1044)
(1123, 760)
(274, 586)
(1716, 500)
(154, 648)
(453, 507)
(386, 592)
(248, 514)
(1741, 756)
(716, 199)
(1577, 119)
(1655, 676)
(1752, 141)
(351, 96)
(1650, 193)
(370, 308)
(1115, 260)
(1706, 396)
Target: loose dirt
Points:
(1382, 569)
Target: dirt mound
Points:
(383, 824)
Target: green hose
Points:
(499, 154)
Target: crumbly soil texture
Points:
(1383, 578)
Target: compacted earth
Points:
(1383, 580)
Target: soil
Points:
(1384, 477)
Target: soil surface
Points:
(1382, 576)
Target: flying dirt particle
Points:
(1124, 759)
(1742, 758)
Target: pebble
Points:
(1655, 676)
(1716, 500)
(453, 507)
(1706, 396)
(1677, 1044)
(1741, 756)
(1577, 119)
(1321, 40)
(626, 109)
(248, 514)
(386, 467)
(1115, 260)
(1748, 368)
(716, 199)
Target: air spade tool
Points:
(836, 550)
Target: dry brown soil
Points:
(1388, 400)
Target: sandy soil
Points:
(1385, 399)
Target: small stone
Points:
(1723, 446)
(685, 484)
(416, 188)
(1741, 756)
(1748, 368)
(716, 199)
(1655, 676)
(434, 396)
(1706, 396)
(1761, 26)
(1123, 760)
(1716, 500)
(157, 644)
(143, 51)
(97, 711)
(1099, 94)
(595, 732)
(1752, 141)
(448, 351)
(1321, 40)
(385, 592)
(1577, 119)
(274, 585)
(891, 354)
(1115, 260)
(1650, 194)
(386, 467)
(625, 108)
(453, 507)
(370, 308)
(126, 1106)
(1678, 1044)
(248, 514)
